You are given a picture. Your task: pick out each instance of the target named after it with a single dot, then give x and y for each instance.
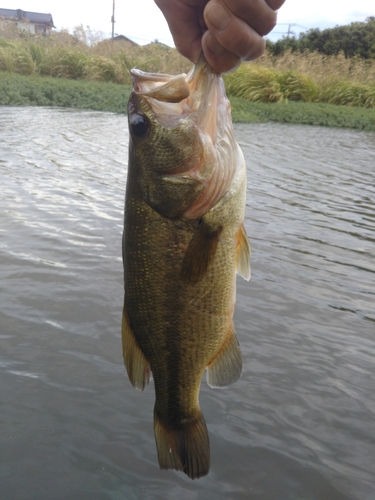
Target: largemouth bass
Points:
(184, 240)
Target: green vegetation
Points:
(355, 39)
(83, 71)
(76, 57)
(21, 90)
(258, 83)
(305, 113)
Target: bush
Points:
(254, 83)
(349, 94)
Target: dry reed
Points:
(309, 77)
(321, 67)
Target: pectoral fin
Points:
(243, 254)
(226, 367)
(137, 366)
(200, 253)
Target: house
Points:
(124, 39)
(159, 44)
(34, 22)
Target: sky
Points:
(143, 22)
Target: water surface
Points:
(299, 425)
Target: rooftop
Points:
(33, 17)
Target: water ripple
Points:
(299, 423)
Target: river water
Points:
(300, 423)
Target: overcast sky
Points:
(142, 21)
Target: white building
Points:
(34, 22)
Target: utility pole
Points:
(113, 20)
(290, 32)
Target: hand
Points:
(227, 31)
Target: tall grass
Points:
(308, 77)
(255, 82)
(337, 80)
(16, 58)
(321, 67)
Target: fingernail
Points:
(218, 15)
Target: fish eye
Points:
(139, 125)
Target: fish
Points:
(184, 240)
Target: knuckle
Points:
(243, 46)
(246, 44)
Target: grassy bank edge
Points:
(20, 90)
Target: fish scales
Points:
(181, 251)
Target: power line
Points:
(289, 30)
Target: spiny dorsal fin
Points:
(226, 367)
(243, 254)
(200, 253)
(137, 366)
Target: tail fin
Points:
(183, 446)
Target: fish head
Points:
(181, 140)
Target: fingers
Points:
(232, 38)
(275, 4)
(220, 59)
(245, 45)
(185, 23)
(256, 13)
(235, 28)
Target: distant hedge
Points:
(355, 39)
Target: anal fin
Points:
(137, 365)
(226, 367)
(243, 254)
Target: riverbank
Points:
(21, 90)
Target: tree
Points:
(355, 39)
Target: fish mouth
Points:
(171, 97)
(166, 88)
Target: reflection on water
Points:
(300, 422)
